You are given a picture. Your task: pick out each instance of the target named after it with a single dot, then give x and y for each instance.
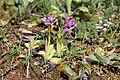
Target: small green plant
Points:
(4, 37)
(111, 60)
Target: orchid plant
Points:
(49, 52)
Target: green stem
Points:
(68, 3)
(113, 33)
(63, 37)
(28, 56)
(49, 37)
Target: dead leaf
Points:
(110, 52)
(2, 23)
(1, 61)
(23, 30)
(56, 60)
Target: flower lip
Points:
(66, 29)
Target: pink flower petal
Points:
(66, 29)
(44, 19)
(51, 18)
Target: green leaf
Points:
(55, 8)
(101, 59)
(59, 54)
(43, 54)
(85, 1)
(91, 56)
(83, 9)
(115, 64)
(50, 52)
(98, 51)
(4, 53)
(115, 57)
(69, 70)
(94, 21)
(33, 45)
(78, 1)
(56, 60)
(87, 67)
(79, 35)
(25, 3)
(63, 15)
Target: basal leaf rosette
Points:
(49, 53)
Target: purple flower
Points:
(69, 24)
(48, 21)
